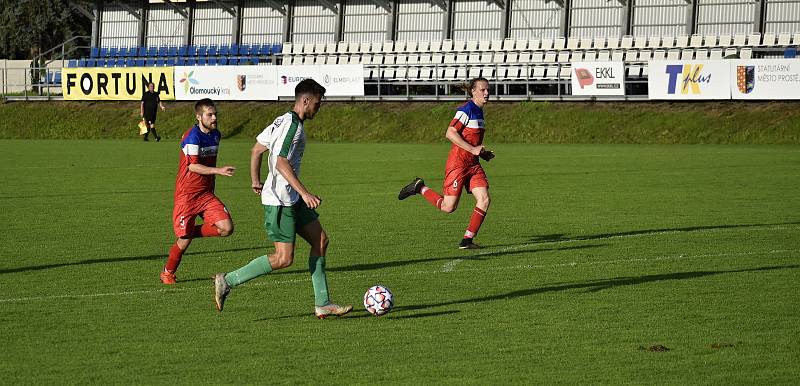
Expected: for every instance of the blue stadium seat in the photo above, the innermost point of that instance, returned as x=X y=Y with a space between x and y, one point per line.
x=201 y=50
x=212 y=50
x=201 y=61
x=81 y=63
x=113 y=52
x=169 y=62
x=103 y=52
x=222 y=61
x=152 y=51
x=150 y=62
x=163 y=51
x=172 y=51
x=277 y=48
x=130 y=62
x=212 y=61
x=244 y=49
x=234 y=49
x=57 y=77
x=121 y=62
x=191 y=51
x=254 y=60
x=140 y=62
x=233 y=61
x=160 y=62
x=72 y=63
x=95 y=52
x=182 y=50
x=192 y=61
x=92 y=62
x=142 y=52
x=224 y=50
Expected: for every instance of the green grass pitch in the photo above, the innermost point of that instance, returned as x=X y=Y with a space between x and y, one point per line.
x=603 y=264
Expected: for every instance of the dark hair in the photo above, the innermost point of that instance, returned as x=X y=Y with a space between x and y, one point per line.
x=309 y=86
x=205 y=102
x=472 y=84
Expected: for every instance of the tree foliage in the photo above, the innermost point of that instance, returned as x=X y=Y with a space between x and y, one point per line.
x=28 y=27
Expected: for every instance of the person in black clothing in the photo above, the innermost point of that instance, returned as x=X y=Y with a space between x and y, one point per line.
x=150 y=104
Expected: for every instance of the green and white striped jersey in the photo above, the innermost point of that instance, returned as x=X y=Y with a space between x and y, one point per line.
x=286 y=138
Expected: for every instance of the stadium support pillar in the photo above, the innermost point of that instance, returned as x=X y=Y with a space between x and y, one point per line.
x=237 y=23
x=391 y=21
x=758 y=17
x=339 y=27
x=144 y=12
x=627 y=18
x=505 y=19
x=691 y=17
x=447 y=27
x=97 y=12
x=566 y=6
x=287 y=22
x=188 y=26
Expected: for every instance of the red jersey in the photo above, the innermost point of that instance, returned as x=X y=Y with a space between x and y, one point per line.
x=197 y=147
x=468 y=121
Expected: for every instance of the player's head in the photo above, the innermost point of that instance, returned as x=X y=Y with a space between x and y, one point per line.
x=308 y=97
x=206 y=113
x=479 y=90
x=151 y=86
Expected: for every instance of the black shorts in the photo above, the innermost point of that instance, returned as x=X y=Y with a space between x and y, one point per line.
x=149 y=118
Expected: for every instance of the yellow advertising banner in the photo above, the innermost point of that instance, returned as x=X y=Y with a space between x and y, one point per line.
x=116 y=83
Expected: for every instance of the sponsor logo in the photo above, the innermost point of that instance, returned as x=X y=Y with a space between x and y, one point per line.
x=292 y=79
x=584 y=77
x=187 y=80
x=113 y=84
x=689 y=76
x=746 y=78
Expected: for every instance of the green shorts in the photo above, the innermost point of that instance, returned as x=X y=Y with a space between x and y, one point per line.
x=283 y=222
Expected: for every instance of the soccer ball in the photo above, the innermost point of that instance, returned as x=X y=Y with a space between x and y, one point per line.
x=378 y=300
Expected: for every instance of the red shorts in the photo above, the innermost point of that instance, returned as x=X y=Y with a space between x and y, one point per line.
x=207 y=206
x=464 y=178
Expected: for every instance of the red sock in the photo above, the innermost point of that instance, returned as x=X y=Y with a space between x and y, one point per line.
x=475 y=223
x=434 y=198
x=206 y=230
x=174 y=259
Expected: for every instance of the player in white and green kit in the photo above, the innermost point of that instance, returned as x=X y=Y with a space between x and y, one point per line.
x=288 y=205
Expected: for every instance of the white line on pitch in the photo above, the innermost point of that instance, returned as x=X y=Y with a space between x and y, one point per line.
x=406 y=273
x=450 y=265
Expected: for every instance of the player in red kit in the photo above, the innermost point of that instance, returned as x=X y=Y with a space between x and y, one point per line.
x=463 y=169
x=194 y=188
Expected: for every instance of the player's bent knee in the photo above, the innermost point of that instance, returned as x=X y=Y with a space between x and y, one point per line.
x=282 y=261
x=448 y=208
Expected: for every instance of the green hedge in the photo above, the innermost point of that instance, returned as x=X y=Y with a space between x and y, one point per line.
x=421 y=122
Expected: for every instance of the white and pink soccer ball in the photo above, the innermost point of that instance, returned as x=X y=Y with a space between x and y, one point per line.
x=378 y=300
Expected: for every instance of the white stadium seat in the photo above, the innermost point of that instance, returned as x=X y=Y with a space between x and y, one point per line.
x=534 y=44
x=617 y=55
x=746 y=53
x=550 y=57
x=599 y=43
x=286 y=49
x=604 y=56
x=499 y=57
x=572 y=43
x=696 y=40
x=631 y=55
x=640 y=42
x=716 y=53
x=673 y=54
x=653 y=42
x=739 y=40
x=524 y=57
x=768 y=39
x=459 y=45
x=682 y=41
x=423 y=46
x=399 y=46
x=512 y=57
x=563 y=56
x=559 y=43
x=627 y=42
x=659 y=55
x=546 y=44
x=353 y=47
x=667 y=42
x=471 y=45
x=796 y=39
x=447 y=45
x=388 y=46
x=497 y=45
x=724 y=40
x=520 y=45
x=784 y=39
x=486 y=57
x=612 y=42
x=484 y=45
x=411 y=46
x=436 y=46
x=537 y=57
x=710 y=41
x=730 y=51
x=585 y=43
x=644 y=55
x=590 y=56
x=508 y=44
x=701 y=54
x=687 y=54
x=754 y=39
x=577 y=56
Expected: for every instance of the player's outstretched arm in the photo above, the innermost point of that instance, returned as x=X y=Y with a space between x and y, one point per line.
x=456 y=138
x=207 y=170
x=256 y=155
x=285 y=169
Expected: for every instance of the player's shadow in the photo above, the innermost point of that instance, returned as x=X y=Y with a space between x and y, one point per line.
x=475 y=256
x=563 y=237
x=114 y=260
x=363 y=314
x=593 y=286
